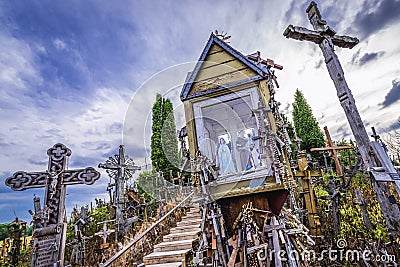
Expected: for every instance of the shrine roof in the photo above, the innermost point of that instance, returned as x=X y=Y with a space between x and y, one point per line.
x=261 y=70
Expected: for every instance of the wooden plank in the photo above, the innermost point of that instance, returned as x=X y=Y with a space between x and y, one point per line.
x=230 y=63
x=219 y=57
x=190 y=126
x=331 y=148
x=276 y=244
x=220 y=69
x=215 y=49
x=221 y=80
x=209 y=64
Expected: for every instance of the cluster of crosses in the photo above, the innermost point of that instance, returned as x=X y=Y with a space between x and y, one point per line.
x=49 y=235
x=49 y=225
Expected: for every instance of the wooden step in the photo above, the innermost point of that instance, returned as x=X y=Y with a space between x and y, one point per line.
x=165 y=257
x=171 y=264
x=174 y=245
x=185 y=228
x=180 y=236
x=191 y=217
x=189 y=222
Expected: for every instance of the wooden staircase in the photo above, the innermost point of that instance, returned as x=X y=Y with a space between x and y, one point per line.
x=177 y=245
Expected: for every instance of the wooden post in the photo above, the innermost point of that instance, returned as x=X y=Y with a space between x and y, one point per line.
x=306 y=175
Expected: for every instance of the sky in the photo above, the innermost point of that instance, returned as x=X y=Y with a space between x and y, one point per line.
x=86 y=73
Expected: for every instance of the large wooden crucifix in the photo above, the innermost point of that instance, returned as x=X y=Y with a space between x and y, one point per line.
x=371 y=153
x=49 y=240
x=120 y=168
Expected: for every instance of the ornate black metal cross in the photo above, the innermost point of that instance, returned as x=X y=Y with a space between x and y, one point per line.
x=371 y=152
x=120 y=168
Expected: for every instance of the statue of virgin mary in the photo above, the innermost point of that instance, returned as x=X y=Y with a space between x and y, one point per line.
x=224 y=158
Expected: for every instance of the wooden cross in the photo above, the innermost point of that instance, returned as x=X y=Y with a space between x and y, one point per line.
x=55 y=180
x=326 y=39
x=268 y=62
x=15 y=230
x=120 y=168
x=333 y=149
x=104 y=233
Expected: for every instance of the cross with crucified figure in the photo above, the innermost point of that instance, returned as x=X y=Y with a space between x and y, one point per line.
x=54 y=180
x=372 y=153
x=51 y=231
x=120 y=168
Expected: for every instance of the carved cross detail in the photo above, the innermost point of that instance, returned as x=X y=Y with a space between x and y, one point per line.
x=54 y=180
x=120 y=168
x=105 y=232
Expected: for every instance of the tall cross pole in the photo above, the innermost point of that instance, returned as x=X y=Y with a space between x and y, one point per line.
x=326 y=38
x=55 y=180
x=120 y=168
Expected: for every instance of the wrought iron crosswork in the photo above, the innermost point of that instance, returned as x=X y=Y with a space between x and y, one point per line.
x=120 y=168
x=54 y=179
x=50 y=227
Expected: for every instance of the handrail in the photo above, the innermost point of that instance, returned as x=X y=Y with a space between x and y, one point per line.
x=122 y=251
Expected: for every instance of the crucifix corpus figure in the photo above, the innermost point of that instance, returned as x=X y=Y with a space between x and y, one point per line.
x=120 y=168
x=49 y=238
x=372 y=153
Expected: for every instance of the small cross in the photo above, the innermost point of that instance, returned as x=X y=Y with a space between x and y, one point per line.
x=105 y=232
x=375 y=135
x=297 y=140
x=333 y=149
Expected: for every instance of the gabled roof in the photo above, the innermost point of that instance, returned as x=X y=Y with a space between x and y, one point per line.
x=233 y=52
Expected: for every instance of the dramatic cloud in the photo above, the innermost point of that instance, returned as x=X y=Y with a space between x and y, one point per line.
x=366 y=58
x=372 y=18
x=393 y=95
x=393 y=127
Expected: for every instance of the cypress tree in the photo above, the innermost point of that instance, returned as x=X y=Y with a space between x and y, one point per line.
x=164 y=143
x=306 y=126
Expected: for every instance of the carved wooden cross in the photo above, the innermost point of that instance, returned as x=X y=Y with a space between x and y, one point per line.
x=49 y=239
x=333 y=149
x=120 y=168
x=326 y=38
x=104 y=233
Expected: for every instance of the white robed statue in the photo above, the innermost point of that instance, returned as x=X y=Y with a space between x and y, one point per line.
x=224 y=158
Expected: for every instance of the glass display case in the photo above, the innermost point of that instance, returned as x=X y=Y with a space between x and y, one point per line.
x=227 y=132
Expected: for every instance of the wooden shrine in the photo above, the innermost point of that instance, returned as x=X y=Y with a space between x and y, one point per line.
x=241 y=149
x=233 y=122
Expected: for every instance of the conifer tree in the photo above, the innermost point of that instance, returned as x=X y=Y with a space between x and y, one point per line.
x=164 y=143
x=305 y=124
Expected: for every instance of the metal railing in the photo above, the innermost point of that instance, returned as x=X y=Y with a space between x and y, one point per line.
x=140 y=236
